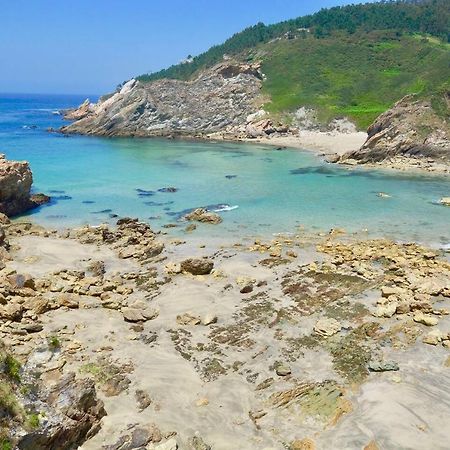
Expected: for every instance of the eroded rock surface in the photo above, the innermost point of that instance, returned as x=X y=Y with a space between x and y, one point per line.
x=411 y=129
x=220 y=97
x=15 y=188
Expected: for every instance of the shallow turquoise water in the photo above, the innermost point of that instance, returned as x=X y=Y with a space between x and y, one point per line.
x=274 y=191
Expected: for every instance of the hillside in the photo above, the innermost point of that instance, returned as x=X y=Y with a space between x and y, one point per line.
x=355 y=76
x=314 y=72
x=353 y=61
x=413 y=16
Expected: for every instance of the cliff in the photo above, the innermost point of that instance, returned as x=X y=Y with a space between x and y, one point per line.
x=15 y=188
x=219 y=98
x=412 y=128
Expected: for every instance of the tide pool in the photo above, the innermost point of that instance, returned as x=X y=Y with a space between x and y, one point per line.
x=259 y=189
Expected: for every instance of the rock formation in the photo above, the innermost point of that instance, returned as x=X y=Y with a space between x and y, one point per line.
x=220 y=97
x=411 y=128
x=70 y=407
x=15 y=188
x=73 y=415
x=204 y=216
x=81 y=112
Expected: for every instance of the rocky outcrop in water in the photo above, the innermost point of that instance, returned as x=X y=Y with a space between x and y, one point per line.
x=81 y=112
x=15 y=188
x=411 y=129
x=204 y=216
x=220 y=97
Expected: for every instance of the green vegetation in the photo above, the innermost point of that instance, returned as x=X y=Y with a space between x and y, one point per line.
x=10 y=408
x=354 y=76
x=425 y=17
x=5 y=443
x=32 y=421
x=8 y=402
x=54 y=343
x=11 y=367
x=354 y=61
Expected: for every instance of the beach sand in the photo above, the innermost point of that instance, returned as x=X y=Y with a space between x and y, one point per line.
x=317 y=141
x=225 y=381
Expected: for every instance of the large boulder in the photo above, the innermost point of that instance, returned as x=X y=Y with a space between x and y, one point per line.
x=197 y=266
x=15 y=188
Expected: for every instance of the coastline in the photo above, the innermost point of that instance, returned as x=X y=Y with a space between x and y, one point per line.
x=331 y=145
x=336 y=144
x=324 y=143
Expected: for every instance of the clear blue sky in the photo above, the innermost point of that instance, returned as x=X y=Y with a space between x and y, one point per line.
x=89 y=46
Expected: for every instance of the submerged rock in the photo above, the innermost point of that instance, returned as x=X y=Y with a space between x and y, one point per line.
x=188 y=319
x=197 y=443
x=303 y=444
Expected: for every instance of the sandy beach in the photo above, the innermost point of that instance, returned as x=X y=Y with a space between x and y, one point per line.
x=321 y=142
x=302 y=340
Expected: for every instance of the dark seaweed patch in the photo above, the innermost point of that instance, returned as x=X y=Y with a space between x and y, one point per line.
x=103 y=211
x=321 y=170
x=145 y=193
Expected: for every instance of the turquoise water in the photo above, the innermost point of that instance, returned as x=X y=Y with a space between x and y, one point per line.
x=263 y=190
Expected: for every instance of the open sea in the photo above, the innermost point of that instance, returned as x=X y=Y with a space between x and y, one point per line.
x=258 y=189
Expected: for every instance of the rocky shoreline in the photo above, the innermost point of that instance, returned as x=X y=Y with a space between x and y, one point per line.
x=266 y=344
x=226 y=102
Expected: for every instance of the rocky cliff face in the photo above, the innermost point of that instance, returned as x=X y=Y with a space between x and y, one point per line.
x=15 y=188
x=44 y=413
x=220 y=98
x=411 y=128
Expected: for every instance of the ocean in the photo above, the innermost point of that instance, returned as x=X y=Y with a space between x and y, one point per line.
x=258 y=189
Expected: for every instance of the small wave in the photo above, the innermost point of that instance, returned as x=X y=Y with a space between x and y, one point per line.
x=223 y=208
x=40 y=109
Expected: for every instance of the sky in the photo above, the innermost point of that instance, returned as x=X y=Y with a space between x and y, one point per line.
x=90 y=46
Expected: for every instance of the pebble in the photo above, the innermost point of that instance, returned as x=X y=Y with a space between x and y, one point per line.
x=282 y=370
x=247 y=289
x=429 y=321
x=327 y=327
x=202 y=402
x=386 y=366
x=209 y=319
x=188 y=319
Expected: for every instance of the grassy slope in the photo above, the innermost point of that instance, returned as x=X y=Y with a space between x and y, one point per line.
x=358 y=76
x=356 y=61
